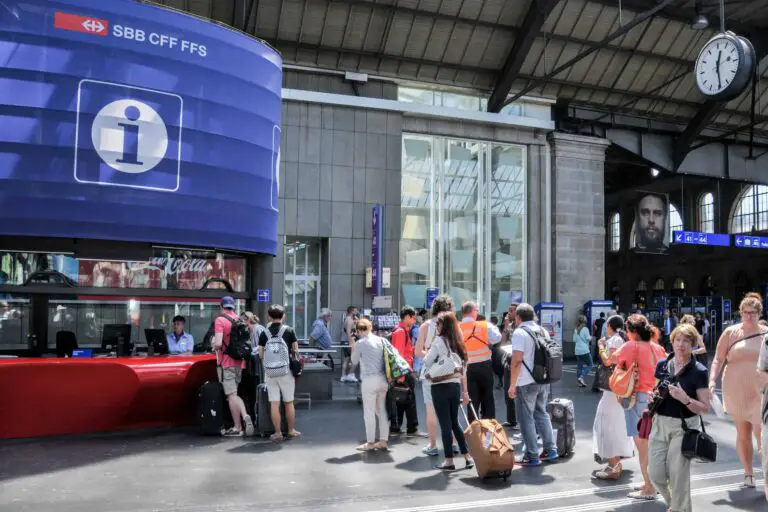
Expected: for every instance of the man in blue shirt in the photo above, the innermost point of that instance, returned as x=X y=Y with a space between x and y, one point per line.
x=180 y=342
x=320 y=335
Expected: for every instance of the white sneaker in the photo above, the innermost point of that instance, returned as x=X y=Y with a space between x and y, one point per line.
x=352 y=378
x=344 y=378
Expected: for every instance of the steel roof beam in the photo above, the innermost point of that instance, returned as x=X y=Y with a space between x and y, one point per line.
x=534 y=20
x=514 y=31
x=641 y=18
x=678 y=14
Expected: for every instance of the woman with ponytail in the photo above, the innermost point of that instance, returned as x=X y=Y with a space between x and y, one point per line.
x=609 y=433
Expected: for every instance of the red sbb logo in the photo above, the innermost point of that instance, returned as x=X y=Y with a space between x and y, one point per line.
x=95 y=26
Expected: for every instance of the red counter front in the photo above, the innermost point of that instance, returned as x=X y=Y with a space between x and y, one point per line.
x=45 y=397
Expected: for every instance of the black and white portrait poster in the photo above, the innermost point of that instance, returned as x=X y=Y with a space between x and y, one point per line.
x=652 y=223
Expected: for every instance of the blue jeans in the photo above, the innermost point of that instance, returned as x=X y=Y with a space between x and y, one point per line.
x=584 y=364
x=532 y=417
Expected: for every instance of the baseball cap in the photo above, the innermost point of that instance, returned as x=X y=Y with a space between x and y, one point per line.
x=228 y=302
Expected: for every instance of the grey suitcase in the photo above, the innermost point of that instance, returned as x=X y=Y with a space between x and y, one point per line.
x=264 y=425
x=563 y=418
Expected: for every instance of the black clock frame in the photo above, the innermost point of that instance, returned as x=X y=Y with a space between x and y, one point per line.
x=744 y=73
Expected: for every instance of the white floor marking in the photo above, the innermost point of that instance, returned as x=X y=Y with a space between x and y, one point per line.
x=517 y=500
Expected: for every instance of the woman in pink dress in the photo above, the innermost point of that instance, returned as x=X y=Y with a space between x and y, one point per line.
x=738 y=350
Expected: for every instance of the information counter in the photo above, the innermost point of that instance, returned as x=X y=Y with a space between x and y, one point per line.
x=47 y=397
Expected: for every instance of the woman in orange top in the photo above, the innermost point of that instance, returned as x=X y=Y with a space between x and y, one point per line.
x=640 y=350
x=738 y=350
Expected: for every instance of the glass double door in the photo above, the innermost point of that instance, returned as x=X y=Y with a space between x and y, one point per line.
x=463 y=221
x=302 y=284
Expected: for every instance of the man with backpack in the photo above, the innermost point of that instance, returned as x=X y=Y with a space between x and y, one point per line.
x=533 y=368
x=231 y=341
x=277 y=345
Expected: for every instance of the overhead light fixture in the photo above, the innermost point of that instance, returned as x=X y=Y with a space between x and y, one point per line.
x=654 y=172
x=700 y=22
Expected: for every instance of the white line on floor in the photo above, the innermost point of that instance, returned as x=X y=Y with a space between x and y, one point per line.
x=517 y=500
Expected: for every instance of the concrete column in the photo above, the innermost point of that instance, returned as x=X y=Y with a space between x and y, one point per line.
x=578 y=225
x=262 y=266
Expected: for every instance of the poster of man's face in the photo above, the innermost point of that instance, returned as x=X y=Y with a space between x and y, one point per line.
x=652 y=223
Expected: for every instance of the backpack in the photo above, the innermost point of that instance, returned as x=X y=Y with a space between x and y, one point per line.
x=276 y=356
x=239 y=345
x=547 y=357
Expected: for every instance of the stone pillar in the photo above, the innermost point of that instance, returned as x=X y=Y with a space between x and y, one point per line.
x=578 y=224
x=262 y=266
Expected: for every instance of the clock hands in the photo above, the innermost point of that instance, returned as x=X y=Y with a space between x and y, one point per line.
x=717 y=69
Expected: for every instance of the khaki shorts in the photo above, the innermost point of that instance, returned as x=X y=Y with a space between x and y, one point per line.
x=230 y=379
x=284 y=386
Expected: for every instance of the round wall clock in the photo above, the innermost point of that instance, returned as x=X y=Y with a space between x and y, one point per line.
x=725 y=66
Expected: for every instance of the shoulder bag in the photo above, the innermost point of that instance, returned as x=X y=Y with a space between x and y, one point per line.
x=446 y=366
x=624 y=380
x=698 y=444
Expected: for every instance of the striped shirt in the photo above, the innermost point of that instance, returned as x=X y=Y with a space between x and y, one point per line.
x=369 y=354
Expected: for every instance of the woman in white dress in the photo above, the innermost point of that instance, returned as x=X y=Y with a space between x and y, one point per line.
x=609 y=434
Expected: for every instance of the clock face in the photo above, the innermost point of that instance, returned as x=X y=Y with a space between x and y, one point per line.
x=717 y=66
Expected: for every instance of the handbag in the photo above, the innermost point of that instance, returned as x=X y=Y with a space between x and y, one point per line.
x=296 y=365
x=603 y=376
x=446 y=366
x=698 y=444
x=645 y=424
x=624 y=380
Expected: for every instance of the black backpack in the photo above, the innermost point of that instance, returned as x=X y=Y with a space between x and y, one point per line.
x=239 y=346
x=547 y=358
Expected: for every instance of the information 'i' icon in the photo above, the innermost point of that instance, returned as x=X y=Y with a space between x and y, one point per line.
x=130 y=137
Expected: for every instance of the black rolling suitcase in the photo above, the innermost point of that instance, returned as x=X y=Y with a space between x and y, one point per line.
x=213 y=413
x=563 y=418
x=264 y=425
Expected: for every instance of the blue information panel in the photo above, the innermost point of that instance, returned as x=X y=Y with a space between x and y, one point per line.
x=750 y=242
x=121 y=120
x=263 y=295
x=695 y=238
x=432 y=294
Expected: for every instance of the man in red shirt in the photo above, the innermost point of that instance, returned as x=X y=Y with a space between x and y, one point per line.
x=401 y=340
x=231 y=370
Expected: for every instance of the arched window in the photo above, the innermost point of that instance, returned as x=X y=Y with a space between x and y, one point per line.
x=675 y=220
x=707 y=213
x=614 y=232
x=658 y=286
x=641 y=286
x=750 y=211
x=679 y=284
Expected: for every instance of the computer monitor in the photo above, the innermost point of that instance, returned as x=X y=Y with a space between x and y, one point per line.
x=157 y=340
x=117 y=337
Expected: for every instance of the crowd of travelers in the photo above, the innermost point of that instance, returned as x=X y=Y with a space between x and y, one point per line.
x=655 y=383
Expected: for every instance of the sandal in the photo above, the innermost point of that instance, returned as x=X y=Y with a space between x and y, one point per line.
x=366 y=447
x=293 y=434
x=638 y=495
x=381 y=445
x=749 y=482
x=609 y=473
x=276 y=437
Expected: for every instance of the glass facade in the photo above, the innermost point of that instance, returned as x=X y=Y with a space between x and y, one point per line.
x=473 y=102
x=303 y=259
x=463 y=221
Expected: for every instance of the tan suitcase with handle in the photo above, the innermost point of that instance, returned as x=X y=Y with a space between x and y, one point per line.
x=490 y=447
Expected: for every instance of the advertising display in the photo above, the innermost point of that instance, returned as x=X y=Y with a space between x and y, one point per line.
x=651 y=225
x=551 y=318
x=127 y=121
